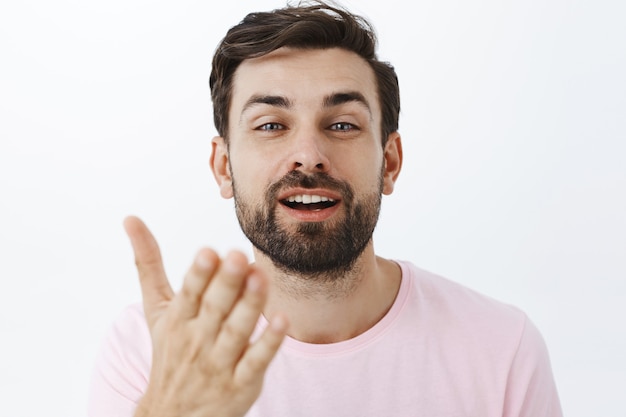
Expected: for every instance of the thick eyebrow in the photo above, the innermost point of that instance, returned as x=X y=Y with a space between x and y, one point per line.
x=276 y=101
x=331 y=100
x=337 y=99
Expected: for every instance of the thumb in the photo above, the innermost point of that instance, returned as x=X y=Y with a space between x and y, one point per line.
x=155 y=289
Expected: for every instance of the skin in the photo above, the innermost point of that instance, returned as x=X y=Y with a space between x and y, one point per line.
x=203 y=363
x=201 y=334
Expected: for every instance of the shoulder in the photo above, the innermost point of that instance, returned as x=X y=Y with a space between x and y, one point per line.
x=448 y=307
x=122 y=366
x=129 y=336
x=478 y=337
x=438 y=291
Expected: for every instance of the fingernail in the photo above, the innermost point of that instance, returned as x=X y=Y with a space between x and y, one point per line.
x=254 y=283
x=203 y=262
x=232 y=266
x=279 y=324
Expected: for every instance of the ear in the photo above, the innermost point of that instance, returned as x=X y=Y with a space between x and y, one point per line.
x=220 y=165
x=392 y=161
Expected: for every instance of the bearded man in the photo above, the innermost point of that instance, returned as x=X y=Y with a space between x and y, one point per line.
x=318 y=324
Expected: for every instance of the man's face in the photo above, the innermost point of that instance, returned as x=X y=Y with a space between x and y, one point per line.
x=305 y=161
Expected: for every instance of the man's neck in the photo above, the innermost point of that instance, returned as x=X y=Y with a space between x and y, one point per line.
x=333 y=308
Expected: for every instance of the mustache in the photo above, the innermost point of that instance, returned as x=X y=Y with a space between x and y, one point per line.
x=295 y=179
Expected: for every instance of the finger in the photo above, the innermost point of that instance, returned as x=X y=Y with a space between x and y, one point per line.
x=220 y=296
x=257 y=358
x=189 y=299
x=155 y=288
x=234 y=336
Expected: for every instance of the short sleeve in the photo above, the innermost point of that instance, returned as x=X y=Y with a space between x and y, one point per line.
x=531 y=390
x=122 y=367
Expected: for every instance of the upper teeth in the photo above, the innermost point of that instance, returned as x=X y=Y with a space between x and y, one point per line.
x=308 y=199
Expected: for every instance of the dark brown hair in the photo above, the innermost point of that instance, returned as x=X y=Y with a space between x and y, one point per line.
x=315 y=25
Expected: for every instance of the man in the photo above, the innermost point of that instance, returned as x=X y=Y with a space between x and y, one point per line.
x=318 y=325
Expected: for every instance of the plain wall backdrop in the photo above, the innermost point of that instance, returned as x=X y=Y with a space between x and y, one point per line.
x=514 y=178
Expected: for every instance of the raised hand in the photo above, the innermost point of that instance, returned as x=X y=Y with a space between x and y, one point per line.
x=203 y=363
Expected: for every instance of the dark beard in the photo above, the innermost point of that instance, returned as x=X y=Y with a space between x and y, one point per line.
x=315 y=249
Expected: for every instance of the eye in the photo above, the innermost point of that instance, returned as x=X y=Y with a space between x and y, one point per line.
x=271 y=126
x=343 y=127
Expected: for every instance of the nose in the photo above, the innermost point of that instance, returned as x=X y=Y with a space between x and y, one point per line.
x=309 y=153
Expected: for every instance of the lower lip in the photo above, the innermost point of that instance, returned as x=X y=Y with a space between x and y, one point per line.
x=311 y=215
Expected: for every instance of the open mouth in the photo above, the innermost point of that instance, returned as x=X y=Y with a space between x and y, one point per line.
x=310 y=202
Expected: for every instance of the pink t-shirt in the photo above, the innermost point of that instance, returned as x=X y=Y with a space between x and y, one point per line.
x=442 y=350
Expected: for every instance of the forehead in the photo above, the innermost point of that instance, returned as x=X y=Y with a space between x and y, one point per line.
x=305 y=76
